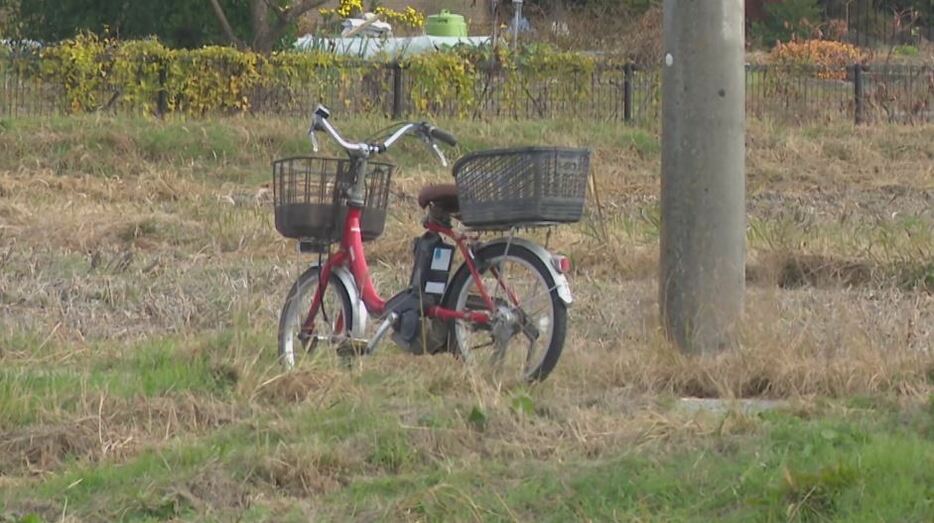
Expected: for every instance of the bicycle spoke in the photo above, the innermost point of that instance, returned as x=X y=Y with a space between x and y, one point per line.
x=528 y=356
x=500 y=283
x=498 y=356
x=520 y=302
x=531 y=332
x=324 y=310
x=330 y=323
x=482 y=345
x=495 y=271
x=545 y=292
x=521 y=294
x=536 y=312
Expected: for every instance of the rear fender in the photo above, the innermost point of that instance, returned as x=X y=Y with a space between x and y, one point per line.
x=561 y=282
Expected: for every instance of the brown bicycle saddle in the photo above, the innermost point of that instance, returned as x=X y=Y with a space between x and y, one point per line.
x=443 y=196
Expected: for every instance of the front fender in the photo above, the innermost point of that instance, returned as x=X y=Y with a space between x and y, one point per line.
x=360 y=315
x=561 y=282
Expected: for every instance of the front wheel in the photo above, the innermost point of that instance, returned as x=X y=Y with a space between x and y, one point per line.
x=332 y=323
x=525 y=338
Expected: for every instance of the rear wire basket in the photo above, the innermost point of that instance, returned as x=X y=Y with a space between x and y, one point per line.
x=310 y=198
x=504 y=188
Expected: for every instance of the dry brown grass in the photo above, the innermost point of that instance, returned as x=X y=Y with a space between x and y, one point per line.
x=103 y=427
x=164 y=243
x=611 y=27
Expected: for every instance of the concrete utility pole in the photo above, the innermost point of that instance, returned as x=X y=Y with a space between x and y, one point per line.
x=703 y=246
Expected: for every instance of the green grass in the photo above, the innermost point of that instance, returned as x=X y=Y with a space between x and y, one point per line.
x=87 y=144
x=42 y=378
x=851 y=468
x=829 y=463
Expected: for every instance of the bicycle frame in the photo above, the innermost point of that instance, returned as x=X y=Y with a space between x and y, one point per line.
x=351 y=254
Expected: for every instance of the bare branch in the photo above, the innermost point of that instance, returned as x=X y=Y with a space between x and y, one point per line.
x=225 y=24
x=297 y=9
x=278 y=10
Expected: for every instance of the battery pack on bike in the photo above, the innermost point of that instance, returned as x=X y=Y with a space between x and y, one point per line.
x=431 y=267
x=435 y=279
x=427 y=283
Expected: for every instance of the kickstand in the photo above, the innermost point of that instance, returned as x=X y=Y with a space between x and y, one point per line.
x=380 y=332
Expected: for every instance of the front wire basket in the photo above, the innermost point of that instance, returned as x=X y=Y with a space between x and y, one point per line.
x=310 y=198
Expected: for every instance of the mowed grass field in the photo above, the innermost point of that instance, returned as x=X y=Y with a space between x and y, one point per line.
x=141 y=279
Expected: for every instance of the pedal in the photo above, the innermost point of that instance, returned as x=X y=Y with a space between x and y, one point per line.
x=351 y=347
x=308 y=341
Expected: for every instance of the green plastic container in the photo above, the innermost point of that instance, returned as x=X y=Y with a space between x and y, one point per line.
x=445 y=24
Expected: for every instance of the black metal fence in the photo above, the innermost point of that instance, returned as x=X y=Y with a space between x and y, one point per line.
x=608 y=92
x=875 y=23
x=630 y=93
x=863 y=93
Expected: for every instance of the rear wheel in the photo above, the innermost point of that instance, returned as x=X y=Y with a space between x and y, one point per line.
x=526 y=336
x=333 y=322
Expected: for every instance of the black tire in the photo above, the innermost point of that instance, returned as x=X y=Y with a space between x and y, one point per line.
x=485 y=258
x=295 y=310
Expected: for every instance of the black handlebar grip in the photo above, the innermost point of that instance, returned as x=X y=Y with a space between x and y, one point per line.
x=443 y=136
x=323 y=111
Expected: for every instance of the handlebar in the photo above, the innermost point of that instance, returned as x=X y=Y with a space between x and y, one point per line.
x=427 y=131
x=442 y=135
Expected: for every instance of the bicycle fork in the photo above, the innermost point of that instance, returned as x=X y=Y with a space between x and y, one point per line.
x=307 y=334
x=308 y=327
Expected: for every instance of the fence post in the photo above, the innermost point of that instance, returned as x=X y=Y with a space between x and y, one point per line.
x=627 y=92
x=397 y=98
x=162 y=105
x=857 y=94
x=859 y=30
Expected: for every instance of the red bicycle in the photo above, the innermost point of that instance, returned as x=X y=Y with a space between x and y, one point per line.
x=504 y=309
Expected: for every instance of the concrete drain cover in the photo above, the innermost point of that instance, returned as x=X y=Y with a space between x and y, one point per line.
x=722 y=406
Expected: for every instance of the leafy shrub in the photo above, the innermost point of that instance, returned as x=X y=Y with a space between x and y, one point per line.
x=906 y=50
x=828 y=58
x=76 y=64
x=144 y=76
x=409 y=18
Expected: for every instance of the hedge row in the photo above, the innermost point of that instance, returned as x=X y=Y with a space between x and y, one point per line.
x=94 y=73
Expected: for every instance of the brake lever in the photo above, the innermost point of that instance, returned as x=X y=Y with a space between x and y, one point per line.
x=313 y=138
x=438 y=153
